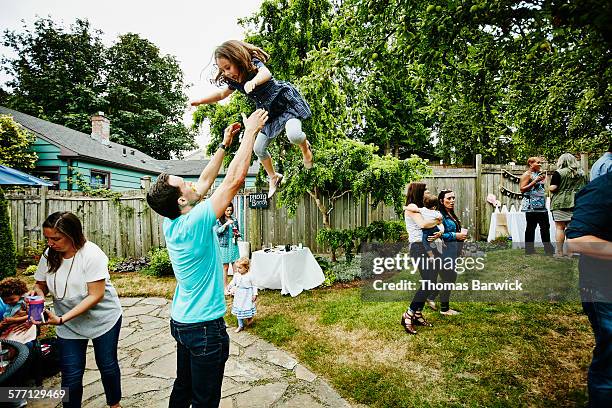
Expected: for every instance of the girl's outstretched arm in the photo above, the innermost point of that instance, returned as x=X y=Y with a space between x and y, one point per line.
x=213 y=97
x=263 y=76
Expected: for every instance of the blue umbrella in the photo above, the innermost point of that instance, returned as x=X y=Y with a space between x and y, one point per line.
x=14 y=177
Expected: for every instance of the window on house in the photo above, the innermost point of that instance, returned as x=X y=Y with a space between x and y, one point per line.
x=49 y=173
x=99 y=178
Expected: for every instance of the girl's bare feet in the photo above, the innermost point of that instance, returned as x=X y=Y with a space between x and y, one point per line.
x=238 y=330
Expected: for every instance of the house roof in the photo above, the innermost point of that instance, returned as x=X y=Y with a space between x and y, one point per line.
x=77 y=145
x=193 y=168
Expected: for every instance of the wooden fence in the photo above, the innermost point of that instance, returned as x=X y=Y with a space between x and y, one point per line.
x=126 y=228
x=132 y=228
x=470 y=184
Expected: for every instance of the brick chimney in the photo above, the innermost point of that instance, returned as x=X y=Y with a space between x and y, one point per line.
x=100 y=128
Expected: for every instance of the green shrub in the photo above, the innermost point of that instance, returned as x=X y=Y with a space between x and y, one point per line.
x=326 y=265
x=160 y=264
x=113 y=262
x=348 y=271
x=330 y=278
x=30 y=270
x=33 y=251
x=387 y=231
x=350 y=239
x=336 y=238
x=8 y=256
x=501 y=242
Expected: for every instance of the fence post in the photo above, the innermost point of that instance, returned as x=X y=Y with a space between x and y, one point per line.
x=478 y=196
x=146 y=216
x=42 y=209
x=584 y=163
x=145 y=183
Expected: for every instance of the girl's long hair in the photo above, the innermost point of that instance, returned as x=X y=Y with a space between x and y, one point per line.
x=223 y=218
x=241 y=54
x=568 y=161
x=445 y=212
x=68 y=224
x=415 y=194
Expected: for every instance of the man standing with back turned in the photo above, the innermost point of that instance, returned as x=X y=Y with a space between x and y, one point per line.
x=590 y=234
x=198 y=305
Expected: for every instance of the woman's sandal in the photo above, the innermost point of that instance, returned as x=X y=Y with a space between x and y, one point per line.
x=419 y=320
x=406 y=322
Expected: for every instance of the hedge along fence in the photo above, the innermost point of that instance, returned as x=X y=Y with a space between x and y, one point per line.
x=127 y=227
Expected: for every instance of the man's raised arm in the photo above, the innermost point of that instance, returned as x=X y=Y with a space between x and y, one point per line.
x=211 y=171
x=238 y=168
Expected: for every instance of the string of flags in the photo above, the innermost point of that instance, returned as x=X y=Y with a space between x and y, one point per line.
x=508 y=175
x=511 y=194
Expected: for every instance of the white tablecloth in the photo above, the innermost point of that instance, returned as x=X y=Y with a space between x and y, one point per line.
x=291 y=272
x=516 y=227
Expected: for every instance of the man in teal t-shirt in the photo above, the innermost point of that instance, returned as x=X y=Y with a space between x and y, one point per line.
x=199 y=305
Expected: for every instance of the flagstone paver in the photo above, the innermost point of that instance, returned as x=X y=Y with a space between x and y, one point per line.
x=257 y=374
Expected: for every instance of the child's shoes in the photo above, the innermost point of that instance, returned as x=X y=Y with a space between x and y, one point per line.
x=274 y=184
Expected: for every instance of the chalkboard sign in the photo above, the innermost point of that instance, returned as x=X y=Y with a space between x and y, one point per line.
x=259 y=200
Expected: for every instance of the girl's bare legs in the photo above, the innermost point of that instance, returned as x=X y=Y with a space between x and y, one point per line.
x=225 y=269
x=306 y=153
x=293 y=127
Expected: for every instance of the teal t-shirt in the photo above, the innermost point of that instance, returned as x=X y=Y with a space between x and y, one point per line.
x=194 y=253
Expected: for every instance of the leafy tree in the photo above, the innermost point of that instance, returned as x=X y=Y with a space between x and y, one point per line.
x=14 y=152
x=66 y=75
x=15 y=145
x=8 y=260
x=146 y=98
x=349 y=166
x=57 y=74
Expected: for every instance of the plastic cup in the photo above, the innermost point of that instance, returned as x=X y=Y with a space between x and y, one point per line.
x=37 y=306
x=464 y=230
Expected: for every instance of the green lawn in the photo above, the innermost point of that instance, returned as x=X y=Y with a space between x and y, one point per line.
x=492 y=355
x=496 y=354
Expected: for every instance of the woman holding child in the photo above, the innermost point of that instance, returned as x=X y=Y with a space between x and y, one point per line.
x=415 y=223
x=75 y=272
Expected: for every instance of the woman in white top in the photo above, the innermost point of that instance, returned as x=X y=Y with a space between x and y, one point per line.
x=414 y=225
x=75 y=272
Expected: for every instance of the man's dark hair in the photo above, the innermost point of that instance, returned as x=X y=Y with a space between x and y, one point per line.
x=163 y=198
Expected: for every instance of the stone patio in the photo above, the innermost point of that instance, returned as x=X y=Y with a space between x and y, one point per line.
x=257 y=374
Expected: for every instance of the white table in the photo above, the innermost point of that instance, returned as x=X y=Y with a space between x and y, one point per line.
x=516 y=227
x=291 y=272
